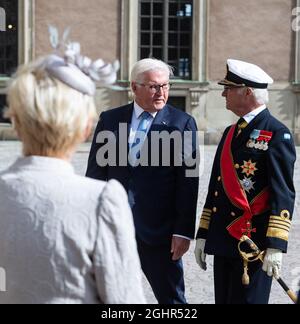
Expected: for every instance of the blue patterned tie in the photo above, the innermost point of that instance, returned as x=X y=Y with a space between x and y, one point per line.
x=136 y=146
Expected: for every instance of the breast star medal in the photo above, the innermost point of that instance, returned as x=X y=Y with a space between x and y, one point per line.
x=247 y=184
x=249 y=168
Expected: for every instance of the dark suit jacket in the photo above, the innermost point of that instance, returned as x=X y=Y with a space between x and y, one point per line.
x=275 y=168
x=162 y=198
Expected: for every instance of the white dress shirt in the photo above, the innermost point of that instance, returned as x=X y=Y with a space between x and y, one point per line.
x=251 y=115
x=135 y=121
x=65 y=239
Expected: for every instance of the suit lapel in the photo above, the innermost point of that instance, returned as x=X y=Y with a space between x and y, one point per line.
x=127 y=117
x=161 y=120
x=245 y=135
x=124 y=118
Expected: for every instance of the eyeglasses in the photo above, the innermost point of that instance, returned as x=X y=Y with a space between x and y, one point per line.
x=155 y=88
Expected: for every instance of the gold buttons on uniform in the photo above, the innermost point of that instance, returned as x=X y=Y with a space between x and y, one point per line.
x=216 y=194
x=237 y=166
x=285 y=214
x=233 y=214
x=215 y=209
x=219 y=179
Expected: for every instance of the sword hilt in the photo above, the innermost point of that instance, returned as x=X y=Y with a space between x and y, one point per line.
x=260 y=256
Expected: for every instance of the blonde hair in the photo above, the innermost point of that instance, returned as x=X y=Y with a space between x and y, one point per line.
x=49 y=116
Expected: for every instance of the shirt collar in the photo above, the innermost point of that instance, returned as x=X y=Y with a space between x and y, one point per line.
x=252 y=114
x=139 y=110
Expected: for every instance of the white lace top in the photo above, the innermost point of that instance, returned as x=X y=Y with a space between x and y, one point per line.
x=65 y=238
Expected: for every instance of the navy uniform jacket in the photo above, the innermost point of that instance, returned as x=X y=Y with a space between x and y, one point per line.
x=162 y=198
x=272 y=168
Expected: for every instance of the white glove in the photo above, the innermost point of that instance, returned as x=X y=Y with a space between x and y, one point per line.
x=272 y=263
x=200 y=255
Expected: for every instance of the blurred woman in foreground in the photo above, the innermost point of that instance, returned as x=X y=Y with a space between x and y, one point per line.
x=64 y=238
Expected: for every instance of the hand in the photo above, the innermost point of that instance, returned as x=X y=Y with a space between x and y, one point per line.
x=272 y=263
x=200 y=255
x=179 y=247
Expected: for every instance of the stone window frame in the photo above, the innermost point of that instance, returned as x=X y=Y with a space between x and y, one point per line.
x=26 y=36
x=2 y=19
x=25 y=53
x=296 y=83
x=191 y=89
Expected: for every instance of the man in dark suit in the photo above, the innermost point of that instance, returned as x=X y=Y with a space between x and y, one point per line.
x=251 y=191
x=162 y=193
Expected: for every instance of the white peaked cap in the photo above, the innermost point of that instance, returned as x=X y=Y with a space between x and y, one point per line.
x=241 y=74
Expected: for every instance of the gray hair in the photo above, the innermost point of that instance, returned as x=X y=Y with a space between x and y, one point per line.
x=260 y=95
x=147 y=65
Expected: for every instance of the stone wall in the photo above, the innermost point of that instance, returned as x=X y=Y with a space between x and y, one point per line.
x=255 y=31
x=95 y=24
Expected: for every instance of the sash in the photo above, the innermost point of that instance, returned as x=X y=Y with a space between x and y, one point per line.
x=237 y=195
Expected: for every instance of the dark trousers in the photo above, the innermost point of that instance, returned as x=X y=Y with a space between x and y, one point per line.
x=165 y=276
x=228 y=282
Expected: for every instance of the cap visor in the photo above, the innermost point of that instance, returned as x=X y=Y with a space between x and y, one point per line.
x=225 y=82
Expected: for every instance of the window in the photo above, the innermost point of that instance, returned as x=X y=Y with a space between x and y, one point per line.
x=8 y=37
x=178 y=102
x=16 y=41
x=166 y=33
x=2 y=19
x=2 y=106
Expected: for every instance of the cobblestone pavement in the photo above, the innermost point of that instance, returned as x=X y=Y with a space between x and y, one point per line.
x=199 y=284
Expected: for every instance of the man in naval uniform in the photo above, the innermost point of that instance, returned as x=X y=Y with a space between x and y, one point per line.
x=251 y=191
